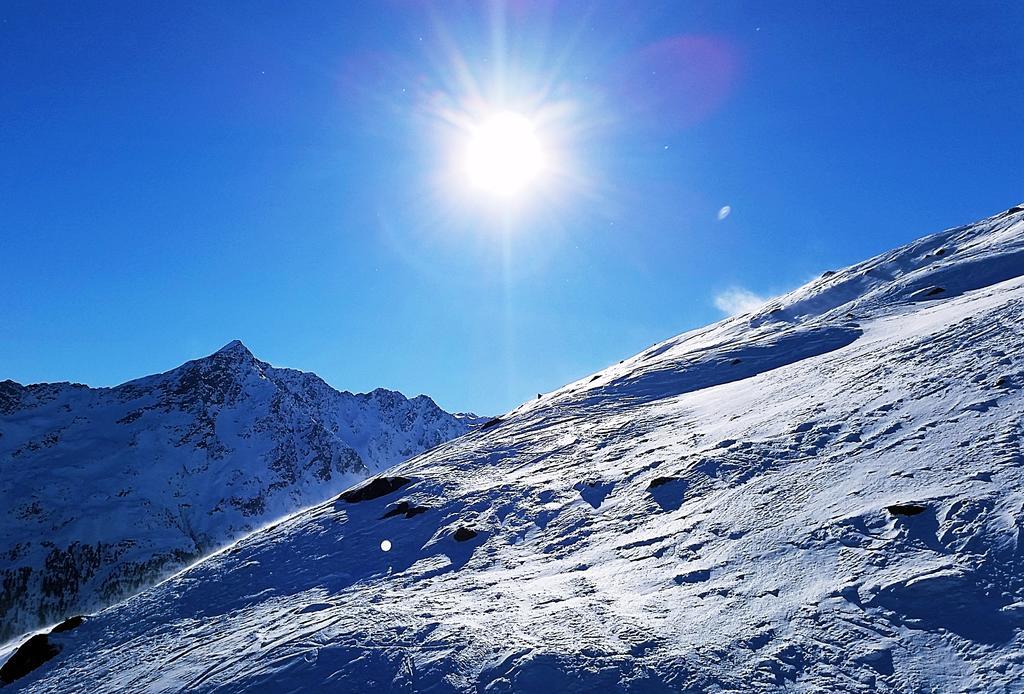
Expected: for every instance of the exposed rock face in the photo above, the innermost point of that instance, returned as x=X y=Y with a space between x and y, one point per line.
x=404 y=509
x=30 y=655
x=106 y=490
x=462 y=533
x=905 y=509
x=375 y=488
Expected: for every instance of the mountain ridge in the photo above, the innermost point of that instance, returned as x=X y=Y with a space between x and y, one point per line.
x=821 y=495
x=273 y=440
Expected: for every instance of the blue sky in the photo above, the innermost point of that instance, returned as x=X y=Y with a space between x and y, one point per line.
x=174 y=176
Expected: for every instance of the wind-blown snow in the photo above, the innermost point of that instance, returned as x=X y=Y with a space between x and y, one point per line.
x=106 y=490
x=736 y=300
x=825 y=495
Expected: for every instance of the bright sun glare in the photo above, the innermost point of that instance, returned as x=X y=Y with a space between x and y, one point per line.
x=504 y=154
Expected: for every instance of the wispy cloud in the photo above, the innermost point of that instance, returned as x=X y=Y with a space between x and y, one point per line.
x=736 y=300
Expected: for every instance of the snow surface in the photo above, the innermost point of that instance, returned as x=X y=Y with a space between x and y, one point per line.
x=106 y=490
x=710 y=515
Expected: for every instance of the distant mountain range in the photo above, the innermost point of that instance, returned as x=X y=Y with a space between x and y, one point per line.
x=107 y=490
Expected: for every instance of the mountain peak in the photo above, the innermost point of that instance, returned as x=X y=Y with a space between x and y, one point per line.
x=234 y=355
x=180 y=463
x=235 y=347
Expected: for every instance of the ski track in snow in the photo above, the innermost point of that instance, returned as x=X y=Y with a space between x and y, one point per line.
x=710 y=515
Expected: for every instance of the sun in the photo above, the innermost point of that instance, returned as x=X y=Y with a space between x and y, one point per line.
x=504 y=155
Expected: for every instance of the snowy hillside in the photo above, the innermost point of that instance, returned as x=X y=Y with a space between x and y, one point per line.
x=826 y=495
x=106 y=490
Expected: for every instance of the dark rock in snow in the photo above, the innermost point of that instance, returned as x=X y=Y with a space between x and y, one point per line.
x=463 y=533
x=403 y=507
x=695 y=576
x=659 y=481
x=375 y=488
x=30 y=655
x=905 y=509
x=68 y=624
x=491 y=423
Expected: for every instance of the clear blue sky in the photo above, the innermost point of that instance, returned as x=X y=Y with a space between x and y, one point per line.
x=175 y=175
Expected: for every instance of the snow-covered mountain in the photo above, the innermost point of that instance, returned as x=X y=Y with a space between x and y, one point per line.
x=823 y=495
x=106 y=490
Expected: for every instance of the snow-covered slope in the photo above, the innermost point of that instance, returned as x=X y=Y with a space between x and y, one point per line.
x=105 y=490
x=825 y=495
